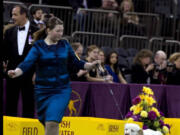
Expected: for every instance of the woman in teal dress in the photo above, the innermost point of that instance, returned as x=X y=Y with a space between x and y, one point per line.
x=52 y=86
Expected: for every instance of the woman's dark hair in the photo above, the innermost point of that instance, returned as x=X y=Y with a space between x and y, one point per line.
x=115 y=66
x=51 y=23
x=144 y=53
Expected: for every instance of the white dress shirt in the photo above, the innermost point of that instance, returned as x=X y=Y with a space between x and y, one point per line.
x=21 y=38
x=38 y=22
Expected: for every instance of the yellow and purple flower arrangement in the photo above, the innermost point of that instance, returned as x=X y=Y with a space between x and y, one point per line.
x=143 y=110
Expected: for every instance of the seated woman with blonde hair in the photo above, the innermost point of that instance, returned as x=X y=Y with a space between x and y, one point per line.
x=128 y=6
x=173 y=69
x=92 y=75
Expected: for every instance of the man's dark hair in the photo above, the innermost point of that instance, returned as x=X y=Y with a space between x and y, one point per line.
x=23 y=10
x=35 y=10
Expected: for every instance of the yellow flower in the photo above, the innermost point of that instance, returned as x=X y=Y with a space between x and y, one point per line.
x=137 y=109
x=156 y=111
x=148 y=91
x=165 y=129
x=132 y=108
x=141 y=96
x=144 y=114
x=130 y=119
x=149 y=100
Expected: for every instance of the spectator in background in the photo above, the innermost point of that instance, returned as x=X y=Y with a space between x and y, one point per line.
x=78 y=48
x=128 y=6
x=84 y=4
x=57 y=3
x=92 y=75
x=158 y=74
x=160 y=58
x=130 y=21
x=102 y=72
x=106 y=22
x=113 y=68
x=75 y=73
x=101 y=57
x=17 y=43
x=142 y=66
x=82 y=16
x=46 y=17
x=39 y=34
x=109 y=4
x=173 y=69
x=37 y=18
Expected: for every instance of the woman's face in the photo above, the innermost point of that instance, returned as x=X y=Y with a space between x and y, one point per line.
x=94 y=54
x=145 y=60
x=56 y=33
x=101 y=57
x=79 y=51
x=113 y=58
x=126 y=6
x=177 y=63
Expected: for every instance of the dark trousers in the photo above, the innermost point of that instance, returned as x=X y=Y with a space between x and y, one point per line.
x=13 y=89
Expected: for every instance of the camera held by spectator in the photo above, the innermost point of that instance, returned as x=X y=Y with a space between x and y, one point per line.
x=170 y=66
x=157 y=67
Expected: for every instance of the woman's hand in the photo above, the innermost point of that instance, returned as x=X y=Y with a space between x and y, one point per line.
x=150 y=67
x=109 y=79
x=15 y=73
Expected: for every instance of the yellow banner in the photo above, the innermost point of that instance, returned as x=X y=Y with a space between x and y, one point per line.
x=175 y=125
x=68 y=126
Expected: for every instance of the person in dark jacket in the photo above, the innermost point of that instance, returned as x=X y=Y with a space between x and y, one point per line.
x=141 y=67
x=17 y=43
x=37 y=17
x=75 y=73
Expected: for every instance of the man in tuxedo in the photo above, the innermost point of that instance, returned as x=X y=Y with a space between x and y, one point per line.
x=16 y=45
x=37 y=17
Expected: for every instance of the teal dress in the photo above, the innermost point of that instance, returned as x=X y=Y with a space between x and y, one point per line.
x=52 y=85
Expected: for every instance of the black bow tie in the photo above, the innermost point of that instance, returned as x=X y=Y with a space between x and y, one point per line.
x=21 y=28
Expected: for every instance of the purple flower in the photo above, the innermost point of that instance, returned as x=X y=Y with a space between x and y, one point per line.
x=161 y=113
x=136 y=117
x=167 y=125
x=152 y=115
x=145 y=127
x=161 y=123
x=136 y=100
x=129 y=114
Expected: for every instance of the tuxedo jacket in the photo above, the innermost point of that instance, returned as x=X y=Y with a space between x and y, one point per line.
x=33 y=23
x=10 y=46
